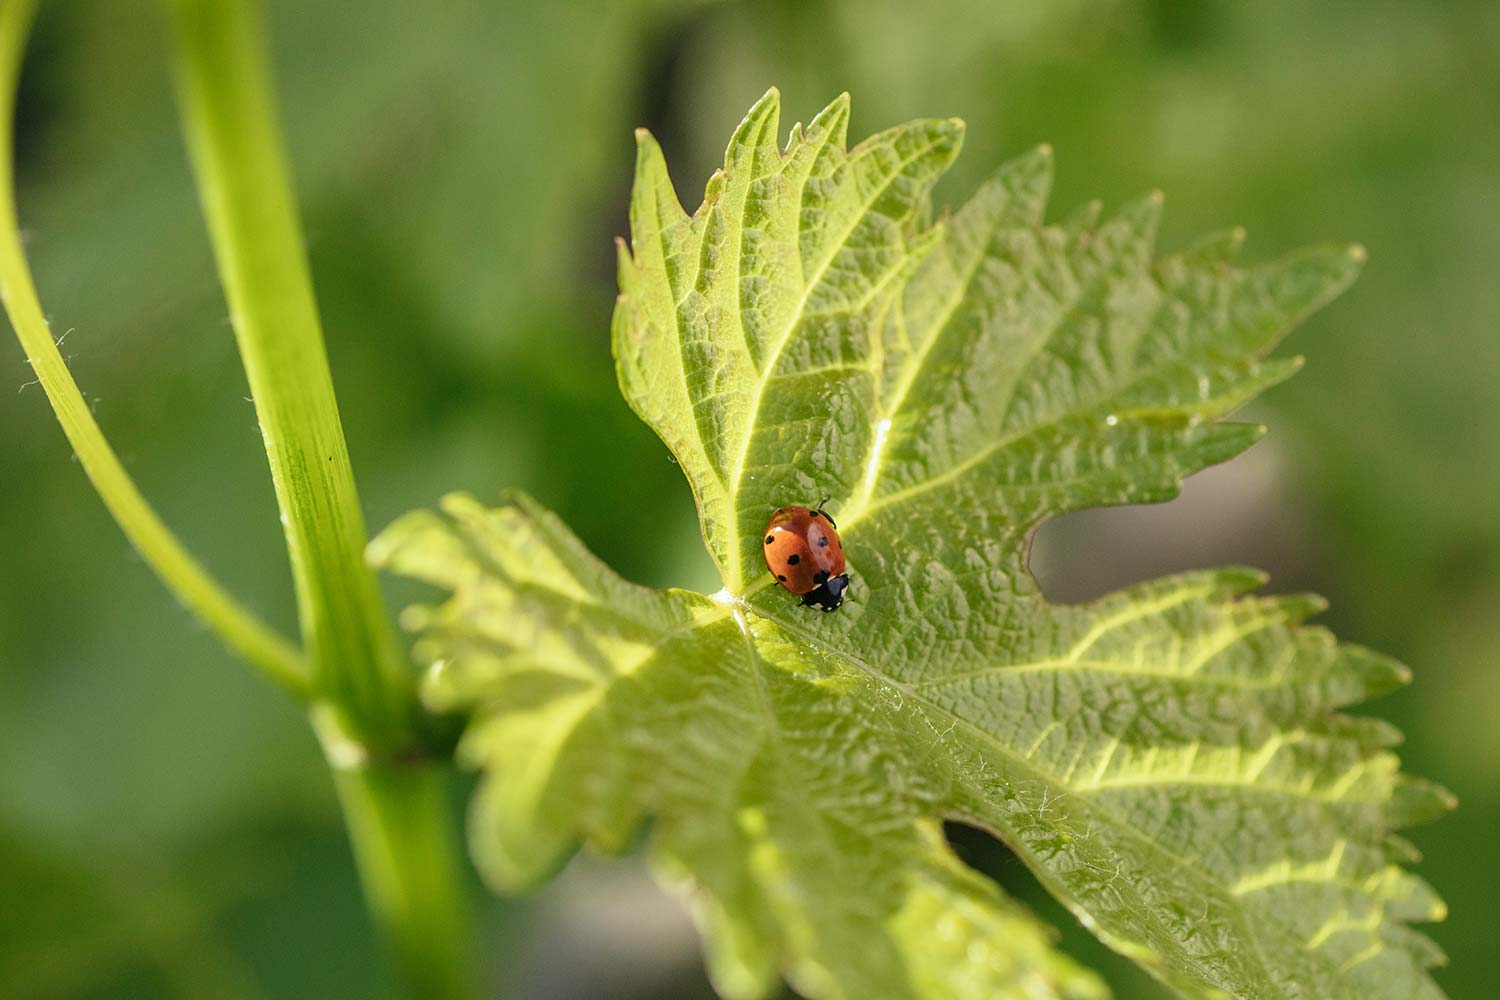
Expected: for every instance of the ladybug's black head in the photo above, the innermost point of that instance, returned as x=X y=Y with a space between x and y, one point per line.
x=829 y=594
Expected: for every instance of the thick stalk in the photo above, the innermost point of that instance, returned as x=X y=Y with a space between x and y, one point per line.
x=228 y=113
x=399 y=819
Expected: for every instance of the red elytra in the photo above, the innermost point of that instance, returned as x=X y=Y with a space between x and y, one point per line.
x=803 y=551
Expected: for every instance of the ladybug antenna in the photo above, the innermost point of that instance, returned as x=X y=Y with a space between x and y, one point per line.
x=826 y=514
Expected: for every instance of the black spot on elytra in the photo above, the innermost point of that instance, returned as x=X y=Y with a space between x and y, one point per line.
x=793 y=559
x=820 y=577
x=823 y=542
x=770 y=539
x=781 y=578
x=812 y=513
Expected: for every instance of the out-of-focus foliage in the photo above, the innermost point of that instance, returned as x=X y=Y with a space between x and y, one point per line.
x=462 y=172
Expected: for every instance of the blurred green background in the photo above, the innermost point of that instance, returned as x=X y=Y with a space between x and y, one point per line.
x=166 y=826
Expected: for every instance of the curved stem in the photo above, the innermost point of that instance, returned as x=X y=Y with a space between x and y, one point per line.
x=239 y=629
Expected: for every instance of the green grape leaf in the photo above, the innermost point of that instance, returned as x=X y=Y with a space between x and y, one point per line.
x=1169 y=760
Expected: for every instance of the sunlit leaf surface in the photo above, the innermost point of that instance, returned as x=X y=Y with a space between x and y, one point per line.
x=1169 y=760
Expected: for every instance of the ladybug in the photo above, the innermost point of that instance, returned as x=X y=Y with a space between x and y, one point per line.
x=804 y=553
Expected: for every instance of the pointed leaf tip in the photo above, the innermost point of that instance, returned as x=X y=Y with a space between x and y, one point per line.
x=767 y=108
x=1418 y=801
x=648 y=154
x=833 y=119
x=1237 y=580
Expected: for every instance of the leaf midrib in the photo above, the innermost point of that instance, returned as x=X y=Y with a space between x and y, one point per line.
x=810 y=284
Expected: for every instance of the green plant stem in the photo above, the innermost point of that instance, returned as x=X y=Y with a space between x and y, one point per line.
x=399 y=817
x=239 y=629
x=228 y=114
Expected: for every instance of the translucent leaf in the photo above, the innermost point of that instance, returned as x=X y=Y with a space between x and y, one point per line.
x=1169 y=760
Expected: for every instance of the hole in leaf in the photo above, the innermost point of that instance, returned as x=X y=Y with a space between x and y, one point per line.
x=1246 y=512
